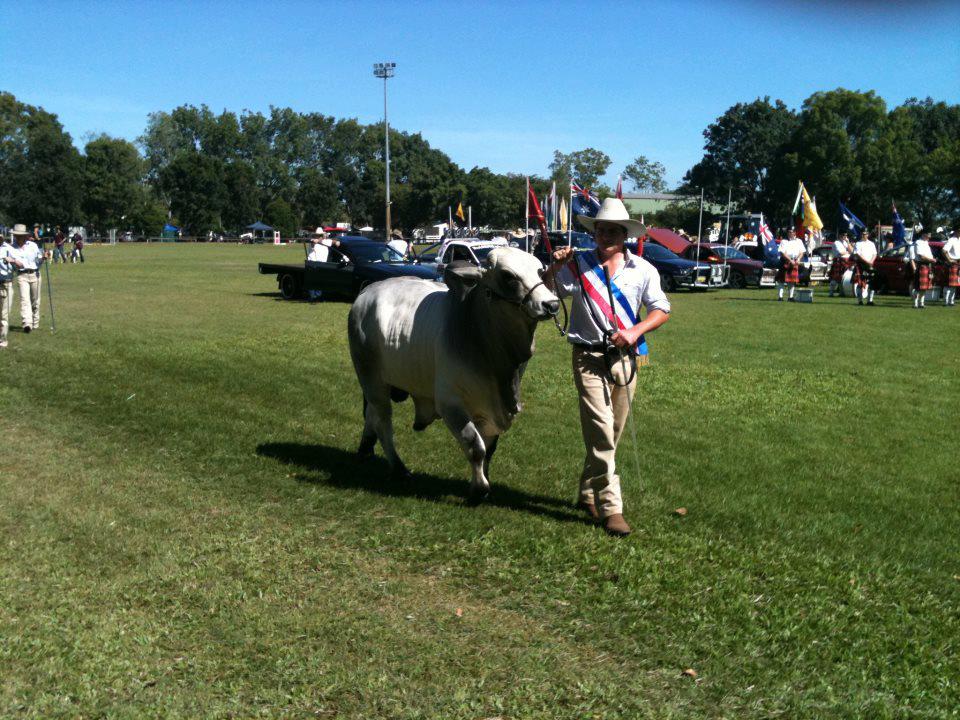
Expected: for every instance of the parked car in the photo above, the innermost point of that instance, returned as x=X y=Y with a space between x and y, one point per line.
x=350 y=267
x=743 y=270
x=814 y=268
x=676 y=272
x=471 y=250
x=578 y=241
x=892 y=275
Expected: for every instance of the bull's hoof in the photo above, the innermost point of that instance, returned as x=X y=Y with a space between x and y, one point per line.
x=477 y=495
x=366 y=448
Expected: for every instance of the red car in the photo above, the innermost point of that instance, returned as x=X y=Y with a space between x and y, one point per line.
x=743 y=270
x=892 y=274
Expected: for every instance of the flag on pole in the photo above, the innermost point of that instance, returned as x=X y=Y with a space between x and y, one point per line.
x=551 y=207
x=811 y=220
x=563 y=214
x=533 y=207
x=583 y=202
x=459 y=213
x=767 y=241
x=619 y=187
x=899 y=229
x=854 y=224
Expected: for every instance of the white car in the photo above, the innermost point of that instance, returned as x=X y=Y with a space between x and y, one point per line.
x=472 y=250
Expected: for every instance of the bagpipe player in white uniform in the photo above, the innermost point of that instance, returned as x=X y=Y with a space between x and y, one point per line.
x=864 y=257
x=841 y=252
x=920 y=258
x=950 y=255
x=791 y=252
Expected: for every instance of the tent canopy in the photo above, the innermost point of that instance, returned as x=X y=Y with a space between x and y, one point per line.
x=170 y=228
x=259 y=226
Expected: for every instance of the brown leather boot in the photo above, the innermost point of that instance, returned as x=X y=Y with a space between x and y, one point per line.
x=615 y=525
x=590 y=509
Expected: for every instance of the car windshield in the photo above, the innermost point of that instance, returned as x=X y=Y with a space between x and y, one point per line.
x=729 y=253
x=658 y=252
x=482 y=253
x=429 y=253
x=374 y=252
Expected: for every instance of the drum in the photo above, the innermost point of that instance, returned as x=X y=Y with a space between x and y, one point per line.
x=846 y=285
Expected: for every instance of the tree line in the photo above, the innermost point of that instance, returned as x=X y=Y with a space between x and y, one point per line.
x=206 y=171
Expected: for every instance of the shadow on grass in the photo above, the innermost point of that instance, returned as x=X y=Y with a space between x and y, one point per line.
x=278 y=298
x=347 y=470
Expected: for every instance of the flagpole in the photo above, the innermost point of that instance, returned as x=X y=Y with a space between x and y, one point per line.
x=700 y=224
x=726 y=242
x=450 y=220
x=570 y=215
x=470 y=217
x=526 y=218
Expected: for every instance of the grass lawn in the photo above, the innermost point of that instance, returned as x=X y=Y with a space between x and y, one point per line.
x=187 y=533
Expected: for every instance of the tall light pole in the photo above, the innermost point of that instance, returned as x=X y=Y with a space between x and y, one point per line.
x=385 y=71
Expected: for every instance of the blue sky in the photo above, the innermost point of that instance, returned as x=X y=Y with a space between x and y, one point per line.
x=496 y=84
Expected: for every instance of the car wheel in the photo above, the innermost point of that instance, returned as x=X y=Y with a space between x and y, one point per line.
x=668 y=284
x=289 y=287
x=737 y=280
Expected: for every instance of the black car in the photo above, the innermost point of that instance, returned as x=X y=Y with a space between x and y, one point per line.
x=350 y=267
x=577 y=240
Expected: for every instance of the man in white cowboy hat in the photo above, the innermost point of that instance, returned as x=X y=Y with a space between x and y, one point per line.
x=319 y=253
x=7 y=272
x=608 y=288
x=398 y=243
x=27 y=257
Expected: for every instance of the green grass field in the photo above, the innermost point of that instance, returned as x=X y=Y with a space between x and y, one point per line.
x=187 y=533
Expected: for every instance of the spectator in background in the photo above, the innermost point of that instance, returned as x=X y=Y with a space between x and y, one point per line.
x=321 y=244
x=59 y=240
x=77 y=248
x=7 y=270
x=398 y=243
x=28 y=258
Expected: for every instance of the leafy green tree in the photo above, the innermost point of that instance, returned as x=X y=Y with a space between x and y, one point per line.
x=280 y=216
x=195 y=186
x=646 y=175
x=242 y=204
x=741 y=149
x=112 y=174
x=39 y=166
x=317 y=198
x=585 y=167
x=149 y=214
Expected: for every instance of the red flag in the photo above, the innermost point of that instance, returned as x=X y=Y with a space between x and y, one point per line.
x=535 y=213
x=619 y=188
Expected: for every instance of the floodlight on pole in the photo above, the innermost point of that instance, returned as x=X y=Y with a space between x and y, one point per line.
x=385 y=71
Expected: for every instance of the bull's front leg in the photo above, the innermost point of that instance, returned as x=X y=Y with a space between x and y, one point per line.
x=471 y=442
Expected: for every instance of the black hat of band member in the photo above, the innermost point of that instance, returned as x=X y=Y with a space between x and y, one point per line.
x=614 y=211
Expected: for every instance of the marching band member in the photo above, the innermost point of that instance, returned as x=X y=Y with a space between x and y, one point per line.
x=842 y=249
x=950 y=254
x=791 y=251
x=864 y=256
x=920 y=258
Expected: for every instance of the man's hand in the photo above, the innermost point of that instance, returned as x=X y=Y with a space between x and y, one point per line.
x=626 y=338
x=561 y=256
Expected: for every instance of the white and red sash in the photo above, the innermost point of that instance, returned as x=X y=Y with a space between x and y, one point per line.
x=595 y=290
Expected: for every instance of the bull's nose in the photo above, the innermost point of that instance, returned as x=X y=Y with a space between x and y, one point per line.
x=552 y=307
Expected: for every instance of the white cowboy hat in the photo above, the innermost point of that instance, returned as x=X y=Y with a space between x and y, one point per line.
x=319 y=232
x=19 y=229
x=614 y=211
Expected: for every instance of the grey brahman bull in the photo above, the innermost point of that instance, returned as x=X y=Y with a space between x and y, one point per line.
x=458 y=351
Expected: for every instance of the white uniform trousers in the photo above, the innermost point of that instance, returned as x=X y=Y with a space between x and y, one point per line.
x=28 y=283
x=6 y=305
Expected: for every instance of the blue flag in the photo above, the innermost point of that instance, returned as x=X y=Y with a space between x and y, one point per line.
x=899 y=231
x=854 y=224
x=584 y=202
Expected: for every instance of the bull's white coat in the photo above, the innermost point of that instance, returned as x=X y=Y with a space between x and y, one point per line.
x=458 y=351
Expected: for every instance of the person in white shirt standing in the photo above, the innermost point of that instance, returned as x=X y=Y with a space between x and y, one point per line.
x=842 y=249
x=7 y=270
x=398 y=243
x=319 y=253
x=864 y=257
x=28 y=257
x=791 y=252
x=920 y=258
x=608 y=287
x=950 y=254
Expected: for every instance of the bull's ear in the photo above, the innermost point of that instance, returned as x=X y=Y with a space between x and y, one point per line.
x=461 y=277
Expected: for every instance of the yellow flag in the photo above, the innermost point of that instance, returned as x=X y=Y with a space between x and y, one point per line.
x=563 y=214
x=459 y=212
x=810 y=217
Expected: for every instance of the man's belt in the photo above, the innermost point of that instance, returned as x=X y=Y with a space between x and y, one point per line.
x=594 y=347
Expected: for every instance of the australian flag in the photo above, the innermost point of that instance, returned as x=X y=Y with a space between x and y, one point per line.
x=584 y=202
x=854 y=224
x=899 y=230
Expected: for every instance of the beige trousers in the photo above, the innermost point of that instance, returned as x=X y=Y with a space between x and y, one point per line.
x=28 y=284
x=6 y=304
x=604 y=407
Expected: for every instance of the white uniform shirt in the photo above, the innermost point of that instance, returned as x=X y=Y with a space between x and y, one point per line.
x=6 y=267
x=951 y=248
x=841 y=249
x=918 y=250
x=639 y=282
x=793 y=249
x=866 y=250
x=399 y=245
x=320 y=251
x=29 y=254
